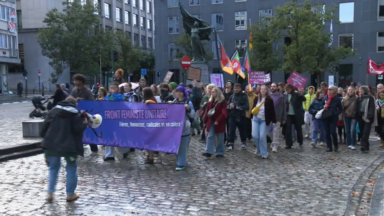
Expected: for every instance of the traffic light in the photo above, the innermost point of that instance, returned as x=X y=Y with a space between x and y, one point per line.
x=25 y=73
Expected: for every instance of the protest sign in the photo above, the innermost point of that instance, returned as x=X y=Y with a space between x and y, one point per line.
x=194 y=74
x=259 y=77
x=154 y=127
x=297 y=80
x=218 y=80
x=168 y=77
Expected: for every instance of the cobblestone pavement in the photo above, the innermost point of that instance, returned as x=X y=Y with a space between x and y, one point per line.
x=11 y=118
x=300 y=181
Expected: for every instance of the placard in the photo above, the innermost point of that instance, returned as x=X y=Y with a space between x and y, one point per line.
x=194 y=74
x=168 y=77
x=297 y=80
x=218 y=80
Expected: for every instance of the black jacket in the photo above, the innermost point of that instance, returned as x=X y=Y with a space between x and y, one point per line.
x=63 y=129
x=58 y=96
x=241 y=104
x=371 y=108
x=297 y=103
x=335 y=105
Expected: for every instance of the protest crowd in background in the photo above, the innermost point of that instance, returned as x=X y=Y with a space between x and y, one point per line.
x=267 y=114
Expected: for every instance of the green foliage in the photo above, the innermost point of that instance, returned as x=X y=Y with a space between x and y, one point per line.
x=308 y=51
x=73 y=38
x=184 y=42
x=129 y=55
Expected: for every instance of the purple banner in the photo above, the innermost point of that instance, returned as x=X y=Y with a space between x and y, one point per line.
x=155 y=127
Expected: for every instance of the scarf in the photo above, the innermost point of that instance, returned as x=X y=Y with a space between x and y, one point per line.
x=329 y=101
x=364 y=106
x=275 y=97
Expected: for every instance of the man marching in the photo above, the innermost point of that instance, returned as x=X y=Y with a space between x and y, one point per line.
x=281 y=114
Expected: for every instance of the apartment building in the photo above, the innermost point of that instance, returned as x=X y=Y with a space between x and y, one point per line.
x=361 y=28
x=135 y=17
x=9 y=53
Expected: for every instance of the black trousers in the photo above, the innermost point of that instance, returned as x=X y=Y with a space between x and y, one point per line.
x=291 y=120
x=93 y=147
x=248 y=128
x=237 y=123
x=365 y=130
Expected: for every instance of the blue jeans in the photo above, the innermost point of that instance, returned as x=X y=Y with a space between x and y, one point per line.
x=350 y=130
x=317 y=127
x=330 y=125
x=183 y=151
x=210 y=148
x=54 y=167
x=259 y=134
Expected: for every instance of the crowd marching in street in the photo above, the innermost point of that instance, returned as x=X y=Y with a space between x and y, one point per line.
x=267 y=114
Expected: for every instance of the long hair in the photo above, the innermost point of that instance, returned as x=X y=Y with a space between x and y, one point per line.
x=219 y=95
x=266 y=94
x=147 y=93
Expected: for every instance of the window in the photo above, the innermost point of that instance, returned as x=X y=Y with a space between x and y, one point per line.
x=345 y=75
x=150 y=44
x=118 y=14
x=142 y=22
x=381 y=9
x=380 y=41
x=126 y=17
x=241 y=44
x=135 y=20
x=2 y=10
x=134 y=3
x=136 y=39
x=3 y=41
x=346 y=40
x=149 y=24
x=172 y=3
x=143 y=41
x=142 y=4
x=107 y=10
x=96 y=5
x=172 y=50
x=19 y=19
x=241 y=20
x=264 y=15
x=194 y=2
x=173 y=25
x=346 y=12
x=149 y=7
x=217 y=1
x=218 y=21
x=214 y=49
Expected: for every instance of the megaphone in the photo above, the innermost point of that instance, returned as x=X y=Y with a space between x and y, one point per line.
x=94 y=121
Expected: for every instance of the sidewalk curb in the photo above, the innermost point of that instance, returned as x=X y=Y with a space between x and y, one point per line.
x=377 y=207
x=19 y=151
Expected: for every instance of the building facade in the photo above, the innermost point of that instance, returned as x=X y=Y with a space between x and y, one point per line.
x=360 y=28
x=9 y=53
x=135 y=17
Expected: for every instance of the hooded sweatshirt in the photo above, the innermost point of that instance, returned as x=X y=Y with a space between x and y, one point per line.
x=251 y=97
x=309 y=98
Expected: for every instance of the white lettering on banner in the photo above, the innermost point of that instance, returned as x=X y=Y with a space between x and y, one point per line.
x=186 y=62
x=298 y=80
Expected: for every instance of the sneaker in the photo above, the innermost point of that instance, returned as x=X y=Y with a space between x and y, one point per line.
x=264 y=157
x=349 y=146
x=378 y=139
x=313 y=144
x=306 y=136
x=274 y=147
x=322 y=144
x=353 y=147
x=178 y=168
x=109 y=159
x=219 y=156
x=256 y=152
x=244 y=146
x=230 y=147
x=50 y=198
x=72 y=198
x=207 y=155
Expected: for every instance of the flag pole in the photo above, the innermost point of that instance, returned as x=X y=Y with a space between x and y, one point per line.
x=217 y=51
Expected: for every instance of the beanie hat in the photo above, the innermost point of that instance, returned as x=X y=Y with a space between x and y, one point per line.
x=173 y=84
x=184 y=90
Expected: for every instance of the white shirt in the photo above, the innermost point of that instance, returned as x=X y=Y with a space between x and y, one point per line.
x=261 y=114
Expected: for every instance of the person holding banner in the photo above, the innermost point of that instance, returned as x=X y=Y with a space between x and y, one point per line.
x=114 y=96
x=165 y=93
x=148 y=98
x=295 y=115
x=264 y=116
x=215 y=123
x=182 y=98
x=129 y=94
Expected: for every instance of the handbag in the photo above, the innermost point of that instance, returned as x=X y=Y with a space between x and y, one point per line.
x=256 y=110
x=201 y=112
x=323 y=114
x=211 y=112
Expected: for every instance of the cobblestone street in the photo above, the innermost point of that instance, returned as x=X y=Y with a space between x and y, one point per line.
x=301 y=181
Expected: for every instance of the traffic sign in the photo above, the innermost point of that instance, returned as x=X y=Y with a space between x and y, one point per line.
x=143 y=71
x=39 y=72
x=185 y=62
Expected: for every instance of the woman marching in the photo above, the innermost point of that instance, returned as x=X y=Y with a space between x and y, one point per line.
x=263 y=117
x=182 y=98
x=214 y=120
x=365 y=115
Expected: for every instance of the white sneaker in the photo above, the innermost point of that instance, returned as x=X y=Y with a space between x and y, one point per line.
x=313 y=144
x=378 y=139
x=306 y=136
x=244 y=146
x=349 y=146
x=264 y=157
x=322 y=143
x=274 y=148
x=353 y=148
x=230 y=148
x=256 y=152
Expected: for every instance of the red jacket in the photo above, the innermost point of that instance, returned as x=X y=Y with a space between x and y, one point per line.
x=219 y=117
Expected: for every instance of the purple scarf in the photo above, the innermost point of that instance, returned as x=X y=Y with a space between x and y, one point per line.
x=275 y=97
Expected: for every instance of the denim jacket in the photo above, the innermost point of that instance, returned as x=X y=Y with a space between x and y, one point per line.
x=188 y=115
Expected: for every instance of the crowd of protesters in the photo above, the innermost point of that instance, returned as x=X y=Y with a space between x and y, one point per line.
x=266 y=114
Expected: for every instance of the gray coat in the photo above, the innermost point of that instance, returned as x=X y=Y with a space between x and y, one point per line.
x=280 y=106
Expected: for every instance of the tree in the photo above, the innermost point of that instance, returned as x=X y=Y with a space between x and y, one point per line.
x=129 y=55
x=73 y=38
x=309 y=50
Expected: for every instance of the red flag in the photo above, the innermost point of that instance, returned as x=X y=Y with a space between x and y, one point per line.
x=246 y=64
x=375 y=69
x=225 y=62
